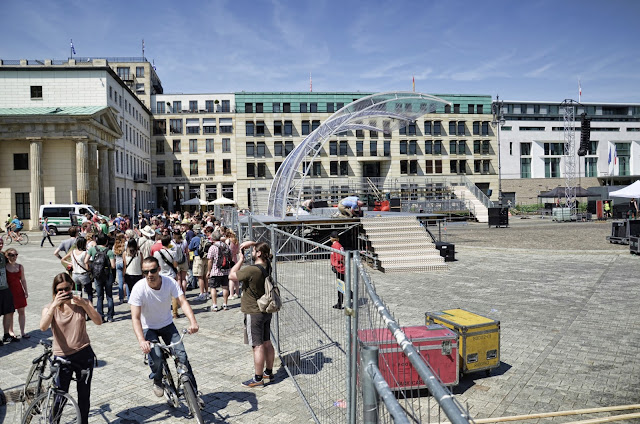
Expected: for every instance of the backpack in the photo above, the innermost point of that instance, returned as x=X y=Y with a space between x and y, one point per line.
x=225 y=261
x=180 y=256
x=205 y=244
x=270 y=301
x=101 y=266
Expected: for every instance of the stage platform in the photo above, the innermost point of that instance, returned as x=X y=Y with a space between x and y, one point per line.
x=315 y=219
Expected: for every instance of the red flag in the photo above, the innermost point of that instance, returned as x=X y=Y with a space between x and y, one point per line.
x=414 y=83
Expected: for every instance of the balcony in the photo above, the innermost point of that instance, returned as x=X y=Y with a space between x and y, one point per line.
x=140 y=178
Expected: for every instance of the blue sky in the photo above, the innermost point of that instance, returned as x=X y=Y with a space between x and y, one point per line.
x=529 y=50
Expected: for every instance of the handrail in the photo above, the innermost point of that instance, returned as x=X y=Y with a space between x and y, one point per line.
x=476 y=191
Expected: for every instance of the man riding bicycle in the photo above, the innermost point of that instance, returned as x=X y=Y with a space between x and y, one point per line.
x=150 y=301
x=15 y=225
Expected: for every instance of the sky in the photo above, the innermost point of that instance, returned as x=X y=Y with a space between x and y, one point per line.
x=519 y=50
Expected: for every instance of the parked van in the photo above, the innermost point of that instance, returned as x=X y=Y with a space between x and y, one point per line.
x=60 y=215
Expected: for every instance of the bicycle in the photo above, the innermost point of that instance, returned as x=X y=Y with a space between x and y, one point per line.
x=36 y=382
x=20 y=238
x=55 y=405
x=185 y=387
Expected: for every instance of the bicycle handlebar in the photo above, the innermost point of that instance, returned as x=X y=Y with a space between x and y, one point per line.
x=155 y=343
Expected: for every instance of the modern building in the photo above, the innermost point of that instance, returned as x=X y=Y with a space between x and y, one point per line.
x=532 y=146
x=71 y=132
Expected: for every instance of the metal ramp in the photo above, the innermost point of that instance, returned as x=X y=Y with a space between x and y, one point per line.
x=401 y=244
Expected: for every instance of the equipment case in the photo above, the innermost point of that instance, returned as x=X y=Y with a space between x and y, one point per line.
x=437 y=345
x=479 y=338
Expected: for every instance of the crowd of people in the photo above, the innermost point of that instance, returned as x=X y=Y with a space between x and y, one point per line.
x=151 y=266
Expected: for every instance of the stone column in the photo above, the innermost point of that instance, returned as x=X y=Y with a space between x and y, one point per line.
x=37 y=191
x=103 y=180
x=203 y=192
x=170 y=204
x=82 y=172
x=113 y=206
x=94 y=196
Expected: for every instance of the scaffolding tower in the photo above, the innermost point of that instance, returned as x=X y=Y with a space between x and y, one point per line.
x=568 y=106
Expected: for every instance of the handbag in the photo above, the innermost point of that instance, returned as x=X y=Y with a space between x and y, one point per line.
x=270 y=301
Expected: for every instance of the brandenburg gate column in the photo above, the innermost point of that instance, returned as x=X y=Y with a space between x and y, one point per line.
x=82 y=171
x=103 y=180
x=94 y=196
x=112 y=182
x=37 y=191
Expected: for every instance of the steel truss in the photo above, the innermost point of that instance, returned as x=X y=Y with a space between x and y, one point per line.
x=382 y=112
x=570 y=154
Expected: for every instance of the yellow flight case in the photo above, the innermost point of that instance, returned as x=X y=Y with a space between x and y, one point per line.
x=479 y=338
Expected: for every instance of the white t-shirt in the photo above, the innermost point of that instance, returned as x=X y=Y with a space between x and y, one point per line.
x=155 y=304
x=165 y=268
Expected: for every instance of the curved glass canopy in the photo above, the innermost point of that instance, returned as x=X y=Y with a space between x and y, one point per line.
x=382 y=112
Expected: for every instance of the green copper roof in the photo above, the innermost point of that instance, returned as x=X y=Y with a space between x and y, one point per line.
x=60 y=110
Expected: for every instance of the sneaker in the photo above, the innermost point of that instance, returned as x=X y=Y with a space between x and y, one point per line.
x=224 y=307
x=200 y=297
x=253 y=383
x=214 y=308
x=266 y=378
x=201 y=403
x=233 y=297
x=158 y=390
x=9 y=339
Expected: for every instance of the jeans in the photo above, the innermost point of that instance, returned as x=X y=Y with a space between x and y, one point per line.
x=169 y=334
x=120 y=277
x=46 y=237
x=81 y=360
x=105 y=287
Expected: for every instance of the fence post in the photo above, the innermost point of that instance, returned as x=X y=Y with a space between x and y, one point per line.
x=350 y=365
x=370 y=399
x=250 y=227
x=274 y=275
x=351 y=297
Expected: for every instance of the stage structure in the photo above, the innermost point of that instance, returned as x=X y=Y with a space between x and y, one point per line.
x=383 y=112
x=570 y=154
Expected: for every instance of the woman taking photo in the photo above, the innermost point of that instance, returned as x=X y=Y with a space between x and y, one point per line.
x=18 y=285
x=66 y=317
x=81 y=274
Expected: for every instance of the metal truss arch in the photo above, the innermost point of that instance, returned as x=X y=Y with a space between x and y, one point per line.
x=382 y=112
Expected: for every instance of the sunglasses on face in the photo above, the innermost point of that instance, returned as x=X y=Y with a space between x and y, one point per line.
x=147 y=271
x=63 y=289
x=12 y=255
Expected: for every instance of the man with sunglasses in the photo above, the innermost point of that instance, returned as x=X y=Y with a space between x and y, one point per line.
x=150 y=302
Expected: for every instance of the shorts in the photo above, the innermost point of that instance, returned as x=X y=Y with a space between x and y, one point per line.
x=257 y=329
x=82 y=279
x=198 y=266
x=219 y=281
x=184 y=266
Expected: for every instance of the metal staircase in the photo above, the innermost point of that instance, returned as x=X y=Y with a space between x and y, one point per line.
x=477 y=207
x=401 y=244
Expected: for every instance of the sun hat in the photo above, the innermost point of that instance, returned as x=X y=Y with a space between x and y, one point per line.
x=148 y=231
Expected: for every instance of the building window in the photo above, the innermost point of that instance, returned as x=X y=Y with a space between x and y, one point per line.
x=226 y=106
x=226 y=166
x=260 y=128
x=593 y=148
x=456 y=108
x=437 y=128
x=317 y=169
x=193 y=146
x=462 y=147
x=453 y=166
x=177 y=168
x=359 y=148
x=176 y=146
x=248 y=108
x=159 y=127
x=552 y=167
x=470 y=109
x=373 y=148
x=453 y=147
x=193 y=167
x=373 y=134
x=452 y=128
x=208 y=105
x=20 y=161
x=288 y=128
x=303 y=108
x=485 y=166
x=209 y=145
x=339 y=106
x=211 y=169
x=411 y=129
x=276 y=108
x=333 y=167
x=314 y=125
x=437 y=147
x=525 y=167
x=438 y=166
x=428 y=147
x=330 y=107
x=226 y=145
x=193 y=105
x=553 y=149
x=479 y=109
x=427 y=127
x=278 y=164
x=36 y=91
x=344 y=168
x=209 y=129
x=259 y=108
x=403 y=167
x=413 y=147
x=360 y=133
x=477 y=166
x=277 y=148
x=277 y=128
x=461 y=128
x=413 y=167
x=159 y=147
x=344 y=148
x=525 y=149
x=305 y=128
x=476 y=128
x=333 y=148
x=251 y=170
x=428 y=167
x=139 y=71
x=261 y=149
x=387 y=148
x=590 y=167
x=485 y=128
x=286 y=107
x=23 y=206
x=123 y=73
x=175 y=126
x=262 y=170
x=288 y=147
x=250 y=150
x=313 y=107
x=160 y=168
x=177 y=106
x=486 y=147
x=447 y=108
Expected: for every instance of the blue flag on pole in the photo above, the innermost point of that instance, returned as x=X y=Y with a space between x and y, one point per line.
x=73 y=50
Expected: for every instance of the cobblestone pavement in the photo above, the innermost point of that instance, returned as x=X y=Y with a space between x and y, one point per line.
x=567 y=300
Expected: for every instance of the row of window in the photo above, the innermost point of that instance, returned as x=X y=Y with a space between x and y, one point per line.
x=330 y=107
x=209 y=145
x=192 y=127
x=210 y=106
x=526 y=109
x=557 y=149
x=552 y=167
x=193 y=168
x=129 y=107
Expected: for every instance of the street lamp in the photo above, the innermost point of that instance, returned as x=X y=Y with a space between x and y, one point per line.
x=498 y=120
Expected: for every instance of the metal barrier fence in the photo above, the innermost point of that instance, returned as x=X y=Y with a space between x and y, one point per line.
x=321 y=347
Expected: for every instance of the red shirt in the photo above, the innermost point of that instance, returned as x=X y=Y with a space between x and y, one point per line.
x=156 y=247
x=337 y=260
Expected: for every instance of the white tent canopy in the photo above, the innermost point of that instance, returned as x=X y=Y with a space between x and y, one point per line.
x=630 y=192
x=223 y=201
x=195 y=202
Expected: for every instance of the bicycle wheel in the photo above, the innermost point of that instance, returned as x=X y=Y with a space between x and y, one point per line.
x=192 y=400
x=52 y=407
x=34 y=385
x=169 y=386
x=23 y=239
x=6 y=238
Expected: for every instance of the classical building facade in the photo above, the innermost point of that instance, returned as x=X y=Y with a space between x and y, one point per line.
x=72 y=132
x=532 y=147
